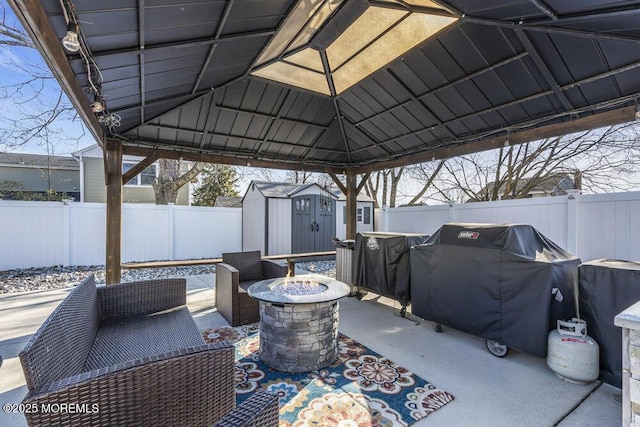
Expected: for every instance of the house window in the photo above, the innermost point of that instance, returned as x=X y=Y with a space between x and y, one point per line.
x=359 y=215
x=144 y=178
x=367 y=215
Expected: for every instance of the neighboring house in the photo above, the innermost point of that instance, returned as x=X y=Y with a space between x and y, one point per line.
x=36 y=173
x=228 y=202
x=281 y=218
x=138 y=190
x=552 y=185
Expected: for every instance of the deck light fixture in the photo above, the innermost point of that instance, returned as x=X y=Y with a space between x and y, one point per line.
x=327 y=46
x=70 y=41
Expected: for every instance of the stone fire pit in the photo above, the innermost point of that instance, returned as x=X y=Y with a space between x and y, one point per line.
x=299 y=321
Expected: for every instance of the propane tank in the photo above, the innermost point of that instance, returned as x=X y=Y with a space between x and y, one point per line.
x=572 y=354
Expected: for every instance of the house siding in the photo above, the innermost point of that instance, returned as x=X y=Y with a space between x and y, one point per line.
x=95 y=189
x=34 y=179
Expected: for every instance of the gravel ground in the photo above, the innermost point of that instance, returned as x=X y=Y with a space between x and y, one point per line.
x=38 y=279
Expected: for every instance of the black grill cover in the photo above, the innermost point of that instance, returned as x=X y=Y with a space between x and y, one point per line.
x=494 y=281
x=607 y=288
x=381 y=262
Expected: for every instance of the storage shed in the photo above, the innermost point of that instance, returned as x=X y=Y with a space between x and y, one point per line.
x=282 y=218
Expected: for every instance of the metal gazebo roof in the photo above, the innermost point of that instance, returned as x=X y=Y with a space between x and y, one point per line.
x=179 y=80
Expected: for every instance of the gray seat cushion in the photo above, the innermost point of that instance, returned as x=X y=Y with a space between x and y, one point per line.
x=244 y=286
x=125 y=339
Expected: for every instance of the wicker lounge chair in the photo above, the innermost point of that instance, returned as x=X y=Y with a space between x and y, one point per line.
x=234 y=275
x=130 y=354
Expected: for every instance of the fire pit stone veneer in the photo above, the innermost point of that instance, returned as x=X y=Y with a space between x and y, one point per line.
x=299 y=321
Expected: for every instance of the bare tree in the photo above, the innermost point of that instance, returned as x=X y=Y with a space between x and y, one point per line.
x=171 y=177
x=293 y=177
x=383 y=186
x=425 y=174
x=11 y=33
x=38 y=109
x=600 y=160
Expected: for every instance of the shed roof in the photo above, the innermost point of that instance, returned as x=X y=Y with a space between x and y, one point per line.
x=228 y=202
x=277 y=190
x=180 y=78
x=285 y=190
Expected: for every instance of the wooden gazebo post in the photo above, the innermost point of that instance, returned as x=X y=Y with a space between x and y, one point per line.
x=351 y=192
x=352 y=202
x=113 y=178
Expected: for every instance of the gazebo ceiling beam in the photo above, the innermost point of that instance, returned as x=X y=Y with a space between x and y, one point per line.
x=182 y=44
x=528 y=98
x=270 y=116
x=412 y=8
x=521 y=25
x=150 y=103
x=544 y=8
x=542 y=67
x=592 y=14
x=207 y=122
x=241 y=137
x=212 y=49
x=417 y=102
x=282 y=100
x=141 y=24
x=142 y=149
x=447 y=86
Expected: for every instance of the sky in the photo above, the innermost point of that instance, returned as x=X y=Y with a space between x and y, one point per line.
x=17 y=64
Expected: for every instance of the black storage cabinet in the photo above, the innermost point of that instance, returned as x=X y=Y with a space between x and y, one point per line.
x=381 y=263
x=607 y=288
x=495 y=281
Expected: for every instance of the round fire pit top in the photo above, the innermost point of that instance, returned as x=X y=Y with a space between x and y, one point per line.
x=304 y=289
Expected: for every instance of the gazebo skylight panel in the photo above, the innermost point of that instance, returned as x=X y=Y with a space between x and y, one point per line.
x=327 y=46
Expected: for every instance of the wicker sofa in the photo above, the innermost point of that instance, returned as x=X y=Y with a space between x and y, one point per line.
x=234 y=275
x=130 y=354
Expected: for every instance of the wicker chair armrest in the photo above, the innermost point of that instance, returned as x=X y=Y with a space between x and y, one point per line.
x=227 y=274
x=143 y=297
x=271 y=269
x=260 y=410
x=191 y=386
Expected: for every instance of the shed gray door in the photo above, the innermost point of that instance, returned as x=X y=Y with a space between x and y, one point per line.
x=326 y=224
x=313 y=224
x=303 y=225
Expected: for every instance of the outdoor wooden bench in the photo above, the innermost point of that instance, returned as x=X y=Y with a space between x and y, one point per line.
x=131 y=354
x=291 y=261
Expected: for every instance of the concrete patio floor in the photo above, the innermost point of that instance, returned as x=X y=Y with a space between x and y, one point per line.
x=516 y=390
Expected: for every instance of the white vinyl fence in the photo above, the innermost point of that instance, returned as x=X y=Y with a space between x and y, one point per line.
x=590 y=226
x=43 y=234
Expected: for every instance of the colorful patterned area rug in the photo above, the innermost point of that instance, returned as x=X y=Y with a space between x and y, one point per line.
x=362 y=388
